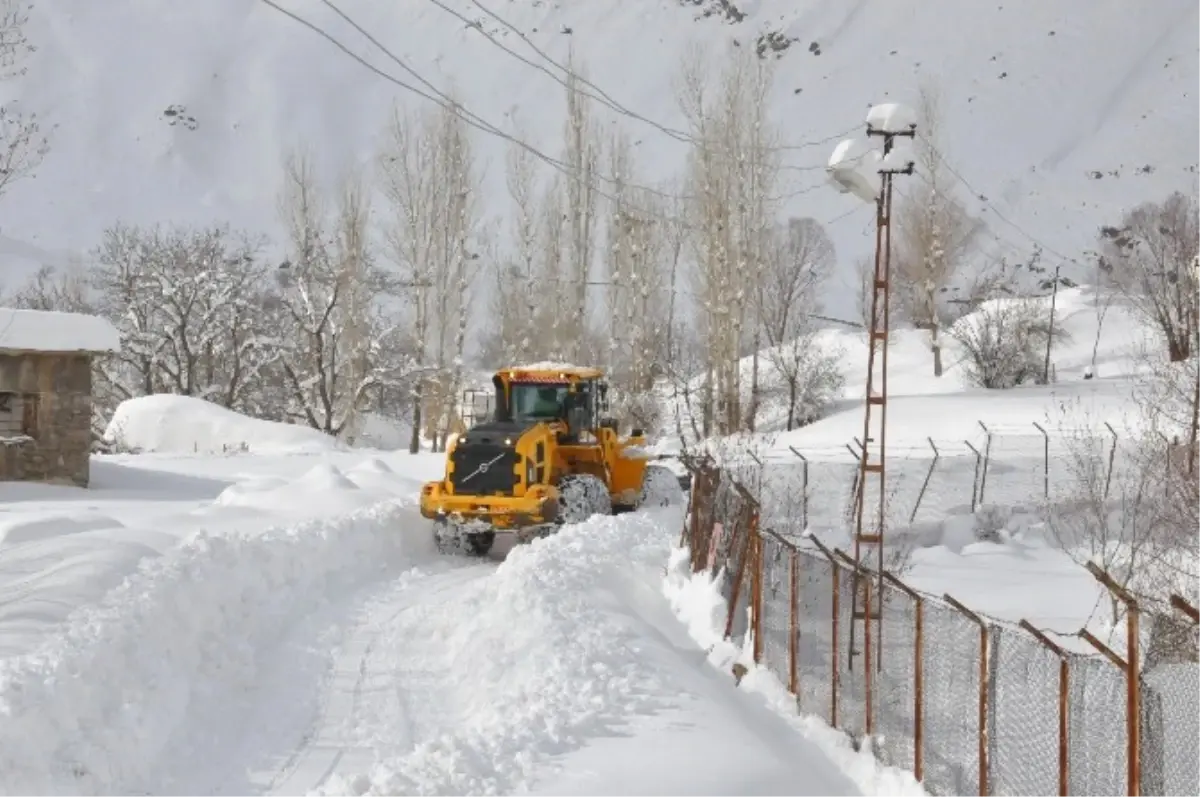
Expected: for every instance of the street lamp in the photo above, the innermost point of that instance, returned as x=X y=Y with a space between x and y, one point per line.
x=856 y=167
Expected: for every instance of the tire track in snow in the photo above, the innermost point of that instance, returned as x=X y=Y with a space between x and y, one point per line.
x=359 y=669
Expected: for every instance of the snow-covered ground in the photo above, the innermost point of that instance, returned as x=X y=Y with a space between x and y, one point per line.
x=1061 y=119
x=1024 y=575
x=278 y=622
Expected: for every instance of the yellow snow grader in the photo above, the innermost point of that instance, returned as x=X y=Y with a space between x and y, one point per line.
x=547 y=457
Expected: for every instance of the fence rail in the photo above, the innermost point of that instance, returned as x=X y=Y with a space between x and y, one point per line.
x=970 y=705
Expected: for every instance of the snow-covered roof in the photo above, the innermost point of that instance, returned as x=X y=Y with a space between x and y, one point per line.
x=559 y=367
x=44 y=331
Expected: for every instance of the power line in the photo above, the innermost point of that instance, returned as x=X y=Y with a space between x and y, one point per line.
x=988 y=204
x=472 y=119
x=602 y=96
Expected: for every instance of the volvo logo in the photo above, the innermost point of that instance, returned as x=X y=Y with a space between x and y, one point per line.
x=483 y=468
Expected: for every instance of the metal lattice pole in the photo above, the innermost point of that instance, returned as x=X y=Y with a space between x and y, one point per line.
x=873 y=460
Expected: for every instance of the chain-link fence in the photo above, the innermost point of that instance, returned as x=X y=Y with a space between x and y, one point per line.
x=1019 y=467
x=969 y=704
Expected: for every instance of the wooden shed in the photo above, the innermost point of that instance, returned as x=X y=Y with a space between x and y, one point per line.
x=46 y=393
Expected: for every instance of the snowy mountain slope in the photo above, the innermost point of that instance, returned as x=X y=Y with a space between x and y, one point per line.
x=1060 y=116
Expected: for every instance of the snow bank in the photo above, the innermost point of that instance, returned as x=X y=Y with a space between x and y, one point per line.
x=91 y=711
x=698 y=603
x=168 y=424
x=322 y=490
x=537 y=653
x=38 y=330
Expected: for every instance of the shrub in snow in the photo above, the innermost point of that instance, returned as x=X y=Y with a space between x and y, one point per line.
x=1004 y=342
x=635 y=410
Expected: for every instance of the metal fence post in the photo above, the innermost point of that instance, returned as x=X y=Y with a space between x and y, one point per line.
x=1112 y=455
x=803 y=488
x=834 y=571
x=741 y=528
x=1131 y=665
x=975 y=482
x=987 y=455
x=984 y=786
x=794 y=623
x=1064 y=685
x=1045 y=458
x=918 y=673
x=924 y=485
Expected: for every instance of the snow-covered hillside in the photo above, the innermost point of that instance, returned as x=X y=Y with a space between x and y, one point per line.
x=1058 y=117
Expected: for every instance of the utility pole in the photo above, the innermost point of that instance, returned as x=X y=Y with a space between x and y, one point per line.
x=887 y=122
x=1050 y=329
x=1194 y=436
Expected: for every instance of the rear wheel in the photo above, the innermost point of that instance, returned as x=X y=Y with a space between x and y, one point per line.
x=580 y=496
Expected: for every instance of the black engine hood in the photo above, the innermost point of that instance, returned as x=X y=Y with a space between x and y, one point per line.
x=495 y=432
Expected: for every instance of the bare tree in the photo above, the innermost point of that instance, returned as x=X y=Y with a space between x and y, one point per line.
x=637 y=241
x=189 y=304
x=798 y=262
x=731 y=176
x=581 y=158
x=517 y=298
x=1004 y=342
x=22 y=143
x=1136 y=515
x=331 y=361
x=53 y=289
x=934 y=233
x=428 y=177
x=1152 y=257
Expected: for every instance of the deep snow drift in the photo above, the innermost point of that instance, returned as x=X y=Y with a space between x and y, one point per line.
x=176 y=115
x=169 y=424
x=342 y=655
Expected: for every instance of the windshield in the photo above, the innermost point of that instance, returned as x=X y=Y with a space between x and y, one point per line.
x=538 y=402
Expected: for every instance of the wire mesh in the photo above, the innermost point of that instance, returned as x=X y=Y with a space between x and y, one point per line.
x=1097 y=729
x=851 y=659
x=951 y=657
x=806 y=623
x=1170 y=729
x=775 y=622
x=1024 y=717
x=814 y=627
x=734 y=513
x=895 y=680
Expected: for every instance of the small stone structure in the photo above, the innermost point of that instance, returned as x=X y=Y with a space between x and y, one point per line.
x=46 y=393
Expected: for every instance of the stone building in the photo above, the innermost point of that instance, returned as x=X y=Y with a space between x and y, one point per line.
x=46 y=393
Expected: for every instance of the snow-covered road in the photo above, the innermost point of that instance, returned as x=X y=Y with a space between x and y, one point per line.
x=381 y=693
x=342 y=656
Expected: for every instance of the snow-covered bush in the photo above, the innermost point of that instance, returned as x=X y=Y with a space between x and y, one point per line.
x=635 y=409
x=1004 y=342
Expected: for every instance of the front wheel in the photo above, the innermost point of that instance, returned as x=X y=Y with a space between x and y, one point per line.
x=660 y=487
x=452 y=539
x=580 y=496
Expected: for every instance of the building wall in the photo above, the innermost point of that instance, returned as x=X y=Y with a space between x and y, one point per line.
x=45 y=417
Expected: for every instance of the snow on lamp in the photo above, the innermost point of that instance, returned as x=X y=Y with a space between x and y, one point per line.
x=853 y=168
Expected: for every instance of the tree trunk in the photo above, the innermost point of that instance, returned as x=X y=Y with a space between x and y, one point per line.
x=1178 y=348
x=792 y=390
x=935 y=345
x=414 y=443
